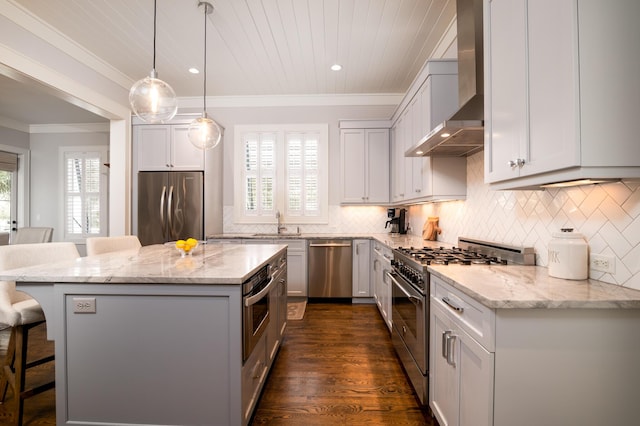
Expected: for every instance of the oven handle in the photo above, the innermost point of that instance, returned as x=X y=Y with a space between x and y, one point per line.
x=252 y=300
x=413 y=299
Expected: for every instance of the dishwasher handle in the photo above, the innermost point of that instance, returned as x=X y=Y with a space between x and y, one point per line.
x=330 y=245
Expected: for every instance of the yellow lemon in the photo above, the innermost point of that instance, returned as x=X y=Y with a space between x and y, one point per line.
x=192 y=242
x=180 y=244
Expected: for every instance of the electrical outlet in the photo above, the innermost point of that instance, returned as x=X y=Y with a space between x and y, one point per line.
x=603 y=263
x=84 y=305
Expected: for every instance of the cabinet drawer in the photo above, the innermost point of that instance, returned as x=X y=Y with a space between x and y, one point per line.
x=472 y=316
x=294 y=245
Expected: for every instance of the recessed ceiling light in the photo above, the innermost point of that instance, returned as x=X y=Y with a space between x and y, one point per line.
x=336 y=67
x=193 y=70
x=445 y=135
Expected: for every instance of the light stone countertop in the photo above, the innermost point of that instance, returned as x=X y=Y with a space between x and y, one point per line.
x=156 y=264
x=524 y=287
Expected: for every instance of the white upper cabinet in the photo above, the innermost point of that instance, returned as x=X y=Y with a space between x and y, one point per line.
x=557 y=85
x=432 y=99
x=166 y=147
x=364 y=168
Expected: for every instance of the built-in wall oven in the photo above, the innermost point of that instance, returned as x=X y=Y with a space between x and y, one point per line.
x=257 y=312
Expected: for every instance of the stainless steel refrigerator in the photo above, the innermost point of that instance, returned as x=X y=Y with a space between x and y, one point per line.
x=170 y=206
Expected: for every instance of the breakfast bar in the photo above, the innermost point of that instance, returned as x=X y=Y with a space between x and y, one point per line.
x=149 y=337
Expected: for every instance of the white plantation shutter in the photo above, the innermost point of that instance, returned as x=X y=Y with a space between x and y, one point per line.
x=85 y=197
x=259 y=173
x=279 y=168
x=302 y=191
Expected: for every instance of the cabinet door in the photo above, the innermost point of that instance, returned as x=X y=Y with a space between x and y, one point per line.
x=184 y=155
x=353 y=165
x=444 y=387
x=397 y=161
x=505 y=87
x=553 y=87
x=476 y=366
x=361 y=268
x=386 y=294
x=377 y=179
x=153 y=145
x=296 y=273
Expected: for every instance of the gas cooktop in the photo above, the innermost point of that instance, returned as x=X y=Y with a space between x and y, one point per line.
x=468 y=252
x=445 y=256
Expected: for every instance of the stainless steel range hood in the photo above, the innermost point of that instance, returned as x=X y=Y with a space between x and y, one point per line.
x=463 y=133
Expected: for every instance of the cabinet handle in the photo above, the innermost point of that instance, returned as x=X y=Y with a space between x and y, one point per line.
x=452 y=305
x=450 y=342
x=418 y=191
x=518 y=163
x=445 y=340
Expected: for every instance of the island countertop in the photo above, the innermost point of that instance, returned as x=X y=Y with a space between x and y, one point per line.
x=156 y=264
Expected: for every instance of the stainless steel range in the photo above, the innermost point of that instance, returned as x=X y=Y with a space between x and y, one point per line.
x=410 y=293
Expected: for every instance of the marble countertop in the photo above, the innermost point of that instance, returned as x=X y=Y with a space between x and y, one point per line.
x=524 y=287
x=156 y=264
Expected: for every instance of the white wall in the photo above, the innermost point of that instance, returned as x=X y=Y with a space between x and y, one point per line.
x=46 y=192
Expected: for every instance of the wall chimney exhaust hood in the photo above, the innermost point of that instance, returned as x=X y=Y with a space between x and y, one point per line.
x=463 y=133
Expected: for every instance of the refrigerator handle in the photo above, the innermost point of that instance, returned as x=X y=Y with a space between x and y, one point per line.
x=169 y=215
x=162 y=208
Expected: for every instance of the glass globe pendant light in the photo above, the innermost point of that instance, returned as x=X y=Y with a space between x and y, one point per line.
x=204 y=133
x=152 y=99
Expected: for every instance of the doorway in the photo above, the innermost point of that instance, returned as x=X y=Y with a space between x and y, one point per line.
x=8 y=195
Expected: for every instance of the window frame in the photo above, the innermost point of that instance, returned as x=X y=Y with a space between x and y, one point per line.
x=281 y=174
x=103 y=152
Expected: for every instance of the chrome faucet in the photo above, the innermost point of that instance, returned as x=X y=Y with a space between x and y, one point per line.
x=280 y=227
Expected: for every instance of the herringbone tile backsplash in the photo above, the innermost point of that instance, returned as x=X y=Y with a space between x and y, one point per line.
x=608 y=215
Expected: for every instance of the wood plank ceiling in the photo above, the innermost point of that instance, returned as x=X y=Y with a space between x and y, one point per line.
x=259 y=47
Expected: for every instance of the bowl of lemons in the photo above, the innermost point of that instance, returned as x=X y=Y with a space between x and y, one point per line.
x=186 y=247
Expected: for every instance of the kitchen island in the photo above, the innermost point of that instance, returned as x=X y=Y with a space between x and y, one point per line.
x=147 y=337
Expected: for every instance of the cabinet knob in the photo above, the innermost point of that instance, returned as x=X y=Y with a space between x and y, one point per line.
x=518 y=163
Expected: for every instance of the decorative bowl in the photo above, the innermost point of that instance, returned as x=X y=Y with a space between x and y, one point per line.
x=186 y=247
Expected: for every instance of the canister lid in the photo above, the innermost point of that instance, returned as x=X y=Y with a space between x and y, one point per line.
x=568 y=233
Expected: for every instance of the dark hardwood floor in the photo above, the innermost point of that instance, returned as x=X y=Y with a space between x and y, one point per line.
x=335 y=367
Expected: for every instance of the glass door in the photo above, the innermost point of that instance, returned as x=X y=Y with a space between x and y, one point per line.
x=8 y=195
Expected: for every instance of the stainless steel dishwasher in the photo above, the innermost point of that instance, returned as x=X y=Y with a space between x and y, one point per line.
x=329 y=268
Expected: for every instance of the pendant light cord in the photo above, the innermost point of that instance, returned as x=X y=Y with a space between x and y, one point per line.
x=204 y=92
x=154 y=33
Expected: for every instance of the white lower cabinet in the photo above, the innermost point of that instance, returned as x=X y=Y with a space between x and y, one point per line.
x=381 y=265
x=461 y=369
x=531 y=366
x=296 y=267
x=361 y=268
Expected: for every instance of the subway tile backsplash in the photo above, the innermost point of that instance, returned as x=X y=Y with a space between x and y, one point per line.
x=607 y=214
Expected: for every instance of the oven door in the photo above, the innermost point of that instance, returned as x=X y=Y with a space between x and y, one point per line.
x=256 y=315
x=410 y=312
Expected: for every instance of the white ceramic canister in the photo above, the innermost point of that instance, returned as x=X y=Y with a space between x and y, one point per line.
x=568 y=255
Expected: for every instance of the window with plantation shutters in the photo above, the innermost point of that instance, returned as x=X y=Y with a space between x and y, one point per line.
x=281 y=168
x=85 y=195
